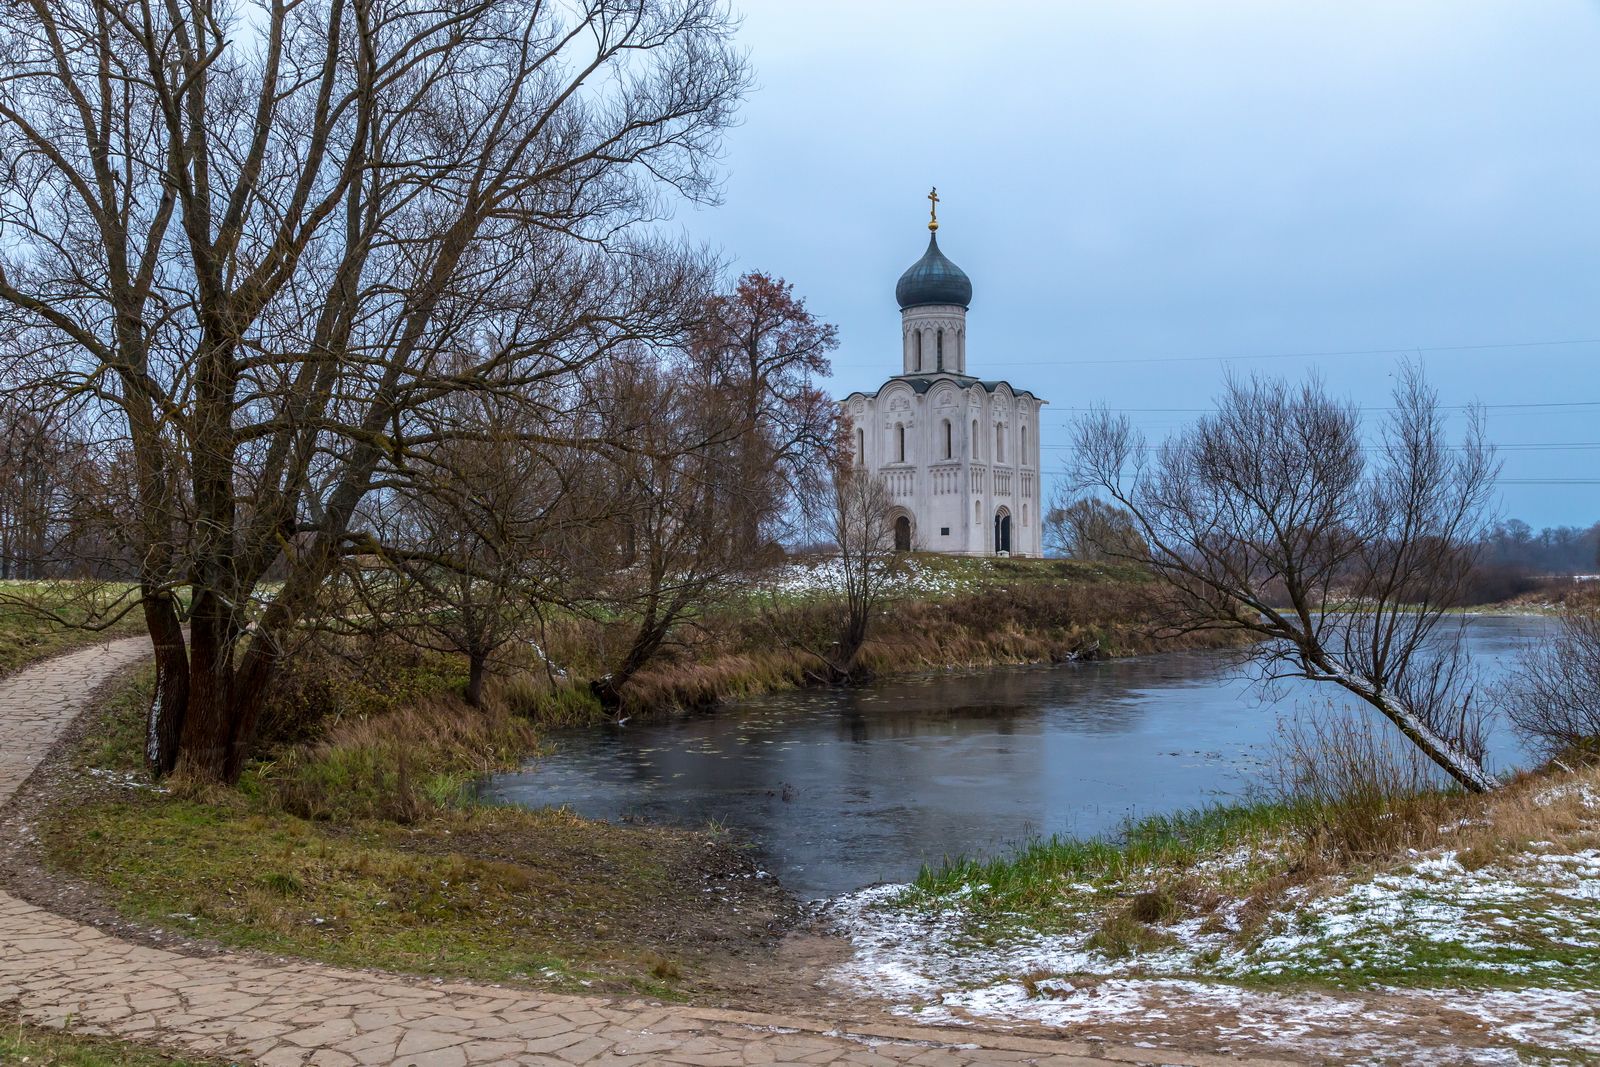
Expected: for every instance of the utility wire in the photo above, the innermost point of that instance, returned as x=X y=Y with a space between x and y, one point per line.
x=1444 y=407
x=1408 y=350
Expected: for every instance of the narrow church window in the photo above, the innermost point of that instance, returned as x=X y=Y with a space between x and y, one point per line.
x=974 y=440
x=861 y=447
x=900 y=432
x=919 y=349
x=938 y=350
x=1022 y=457
x=1000 y=443
x=949 y=440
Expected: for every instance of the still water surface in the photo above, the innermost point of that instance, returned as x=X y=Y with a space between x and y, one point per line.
x=841 y=788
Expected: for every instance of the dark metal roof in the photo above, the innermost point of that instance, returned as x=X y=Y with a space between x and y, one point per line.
x=933 y=279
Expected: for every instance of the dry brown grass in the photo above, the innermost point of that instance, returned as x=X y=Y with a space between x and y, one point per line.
x=1558 y=806
x=735 y=654
x=398 y=765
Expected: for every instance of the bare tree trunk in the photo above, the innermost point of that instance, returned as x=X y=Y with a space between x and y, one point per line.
x=648 y=637
x=475 y=671
x=1466 y=771
x=169 y=701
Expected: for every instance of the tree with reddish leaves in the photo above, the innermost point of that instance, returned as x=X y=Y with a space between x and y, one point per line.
x=765 y=351
x=713 y=448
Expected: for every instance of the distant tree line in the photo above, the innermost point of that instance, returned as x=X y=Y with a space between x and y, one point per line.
x=1516 y=560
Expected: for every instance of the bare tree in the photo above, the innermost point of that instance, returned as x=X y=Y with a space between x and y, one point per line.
x=1270 y=517
x=61 y=493
x=1088 y=528
x=264 y=247
x=474 y=543
x=33 y=467
x=1553 y=693
x=858 y=510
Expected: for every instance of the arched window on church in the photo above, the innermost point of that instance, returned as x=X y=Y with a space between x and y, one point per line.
x=938 y=349
x=999 y=442
x=861 y=447
x=1022 y=458
x=919 y=349
x=977 y=513
x=974 y=440
x=900 y=436
x=961 y=351
x=949 y=440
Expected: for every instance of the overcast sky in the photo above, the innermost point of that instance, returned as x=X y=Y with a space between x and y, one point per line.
x=1138 y=188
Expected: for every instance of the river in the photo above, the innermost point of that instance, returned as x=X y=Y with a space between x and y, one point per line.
x=843 y=788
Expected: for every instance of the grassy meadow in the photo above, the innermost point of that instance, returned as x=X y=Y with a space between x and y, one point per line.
x=41 y=619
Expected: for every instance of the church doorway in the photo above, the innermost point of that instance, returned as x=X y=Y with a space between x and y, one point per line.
x=902 y=534
x=1002 y=532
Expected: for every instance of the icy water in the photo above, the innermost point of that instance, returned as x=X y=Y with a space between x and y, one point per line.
x=842 y=788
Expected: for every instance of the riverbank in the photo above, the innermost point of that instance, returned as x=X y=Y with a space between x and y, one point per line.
x=1125 y=1000
x=63 y=969
x=1483 y=906
x=354 y=839
x=350 y=852
x=939 y=612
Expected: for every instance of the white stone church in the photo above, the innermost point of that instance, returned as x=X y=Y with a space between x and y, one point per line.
x=958 y=454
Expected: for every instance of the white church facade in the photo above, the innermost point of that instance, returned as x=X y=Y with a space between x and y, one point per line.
x=959 y=455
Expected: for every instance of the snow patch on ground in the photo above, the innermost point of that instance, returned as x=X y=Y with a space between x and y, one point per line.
x=1504 y=920
x=908 y=577
x=1585 y=795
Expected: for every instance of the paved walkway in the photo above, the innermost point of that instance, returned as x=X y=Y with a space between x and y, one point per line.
x=61 y=972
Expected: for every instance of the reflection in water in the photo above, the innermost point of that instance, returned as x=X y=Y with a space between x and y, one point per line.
x=845 y=787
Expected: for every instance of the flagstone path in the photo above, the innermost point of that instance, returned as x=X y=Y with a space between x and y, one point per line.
x=60 y=972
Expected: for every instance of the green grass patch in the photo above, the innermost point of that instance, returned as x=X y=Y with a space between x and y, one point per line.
x=1049 y=884
x=1428 y=891
x=42 y=619
x=489 y=894
x=39 y=1046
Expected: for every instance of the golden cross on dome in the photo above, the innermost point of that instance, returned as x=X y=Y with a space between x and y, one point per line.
x=933 y=208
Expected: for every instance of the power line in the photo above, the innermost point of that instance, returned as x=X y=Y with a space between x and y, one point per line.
x=1445 y=407
x=1540 y=446
x=1408 y=350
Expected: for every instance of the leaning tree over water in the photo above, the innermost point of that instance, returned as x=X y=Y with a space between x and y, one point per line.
x=1274 y=517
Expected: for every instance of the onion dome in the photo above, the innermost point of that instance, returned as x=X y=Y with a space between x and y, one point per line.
x=933 y=279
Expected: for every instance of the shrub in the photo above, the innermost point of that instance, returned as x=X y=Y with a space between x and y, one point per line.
x=397 y=765
x=1356 y=788
x=1553 y=695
